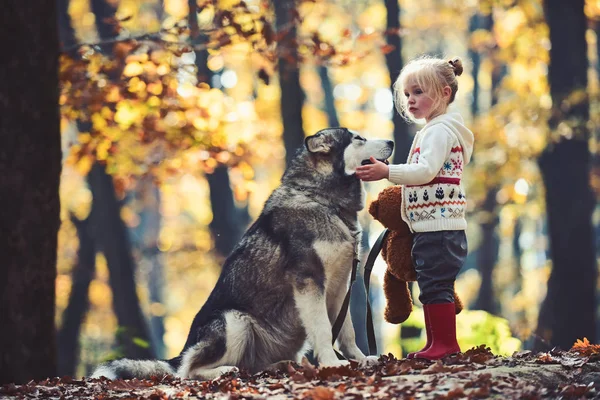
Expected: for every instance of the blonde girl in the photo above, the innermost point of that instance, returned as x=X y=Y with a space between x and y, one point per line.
x=433 y=197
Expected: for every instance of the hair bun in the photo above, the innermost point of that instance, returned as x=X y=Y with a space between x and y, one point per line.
x=456 y=65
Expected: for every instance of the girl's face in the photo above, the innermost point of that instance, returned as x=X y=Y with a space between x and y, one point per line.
x=420 y=105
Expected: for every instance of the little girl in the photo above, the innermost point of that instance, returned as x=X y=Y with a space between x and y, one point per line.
x=433 y=199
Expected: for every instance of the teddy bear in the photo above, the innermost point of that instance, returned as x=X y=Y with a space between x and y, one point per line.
x=396 y=252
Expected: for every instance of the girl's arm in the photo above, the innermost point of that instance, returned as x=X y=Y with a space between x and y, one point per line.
x=435 y=146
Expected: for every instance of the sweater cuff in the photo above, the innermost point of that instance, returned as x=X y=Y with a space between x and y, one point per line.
x=396 y=174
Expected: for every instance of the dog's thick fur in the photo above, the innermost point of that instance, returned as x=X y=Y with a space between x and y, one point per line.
x=284 y=283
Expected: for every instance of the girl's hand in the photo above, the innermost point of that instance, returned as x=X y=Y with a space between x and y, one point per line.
x=373 y=172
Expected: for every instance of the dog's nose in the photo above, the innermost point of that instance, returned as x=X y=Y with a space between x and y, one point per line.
x=391 y=144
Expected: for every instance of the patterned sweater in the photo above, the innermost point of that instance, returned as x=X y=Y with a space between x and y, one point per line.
x=433 y=198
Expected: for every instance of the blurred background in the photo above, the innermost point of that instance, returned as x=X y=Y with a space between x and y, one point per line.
x=178 y=118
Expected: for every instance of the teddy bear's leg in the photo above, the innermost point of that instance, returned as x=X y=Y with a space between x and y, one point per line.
x=398 y=299
x=458 y=305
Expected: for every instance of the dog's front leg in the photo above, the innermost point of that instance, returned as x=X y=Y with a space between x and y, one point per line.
x=310 y=302
x=346 y=338
x=348 y=347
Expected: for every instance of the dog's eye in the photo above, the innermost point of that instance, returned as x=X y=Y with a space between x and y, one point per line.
x=362 y=139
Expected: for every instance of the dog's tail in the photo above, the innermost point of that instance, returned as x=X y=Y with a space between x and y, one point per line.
x=129 y=369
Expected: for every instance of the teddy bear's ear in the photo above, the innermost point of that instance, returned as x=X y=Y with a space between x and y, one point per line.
x=394 y=192
x=374 y=208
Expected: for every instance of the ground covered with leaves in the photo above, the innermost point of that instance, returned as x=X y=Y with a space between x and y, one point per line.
x=474 y=374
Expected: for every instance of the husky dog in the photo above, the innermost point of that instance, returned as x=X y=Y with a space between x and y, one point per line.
x=284 y=283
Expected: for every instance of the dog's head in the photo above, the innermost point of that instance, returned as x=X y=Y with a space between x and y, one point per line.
x=347 y=150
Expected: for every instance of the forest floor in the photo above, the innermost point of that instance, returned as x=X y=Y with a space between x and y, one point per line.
x=475 y=374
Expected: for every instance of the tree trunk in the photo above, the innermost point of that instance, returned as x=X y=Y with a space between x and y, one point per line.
x=475 y=57
x=292 y=95
x=104 y=12
x=66 y=32
x=227 y=225
x=393 y=60
x=83 y=272
x=487 y=254
x=569 y=310
x=332 y=117
x=477 y=21
x=30 y=165
x=111 y=234
x=145 y=238
x=74 y=314
x=111 y=237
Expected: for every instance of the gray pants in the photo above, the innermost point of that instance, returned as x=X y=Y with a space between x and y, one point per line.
x=438 y=257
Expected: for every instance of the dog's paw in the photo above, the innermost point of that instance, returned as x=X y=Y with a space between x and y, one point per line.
x=368 y=361
x=208 y=374
x=227 y=369
x=333 y=363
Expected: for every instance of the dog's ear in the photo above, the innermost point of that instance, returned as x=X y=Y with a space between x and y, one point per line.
x=317 y=143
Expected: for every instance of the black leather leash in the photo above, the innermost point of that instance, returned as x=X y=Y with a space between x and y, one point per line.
x=337 y=326
x=339 y=321
x=367 y=279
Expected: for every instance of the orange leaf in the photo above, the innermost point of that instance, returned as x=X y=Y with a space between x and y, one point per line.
x=585 y=348
x=388 y=48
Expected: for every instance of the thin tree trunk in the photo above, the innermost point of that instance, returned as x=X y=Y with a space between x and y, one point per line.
x=332 y=117
x=30 y=166
x=476 y=22
x=292 y=95
x=67 y=34
x=228 y=221
x=487 y=254
x=226 y=225
x=78 y=305
x=156 y=279
x=111 y=233
x=111 y=238
x=475 y=57
x=146 y=236
x=83 y=271
x=393 y=59
x=160 y=10
x=568 y=312
x=104 y=12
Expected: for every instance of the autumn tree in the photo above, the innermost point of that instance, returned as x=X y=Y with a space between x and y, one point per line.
x=30 y=164
x=109 y=234
x=228 y=222
x=481 y=26
x=569 y=310
x=292 y=95
x=68 y=332
x=393 y=59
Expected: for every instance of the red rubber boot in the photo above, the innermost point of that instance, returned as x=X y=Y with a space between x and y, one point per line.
x=428 y=331
x=442 y=322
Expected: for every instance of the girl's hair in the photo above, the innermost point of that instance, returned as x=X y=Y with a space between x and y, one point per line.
x=431 y=75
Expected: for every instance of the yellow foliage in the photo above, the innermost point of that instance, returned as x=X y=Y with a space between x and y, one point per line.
x=133 y=69
x=84 y=164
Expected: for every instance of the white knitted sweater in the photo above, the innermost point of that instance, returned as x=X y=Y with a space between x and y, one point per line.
x=433 y=198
